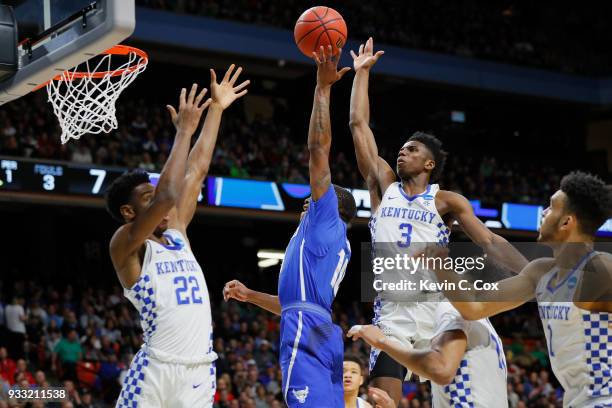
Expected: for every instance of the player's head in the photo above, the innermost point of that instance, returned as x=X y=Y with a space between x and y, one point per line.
x=577 y=210
x=352 y=377
x=422 y=153
x=347 y=207
x=129 y=195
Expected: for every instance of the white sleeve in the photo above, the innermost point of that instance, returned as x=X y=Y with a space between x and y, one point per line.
x=448 y=318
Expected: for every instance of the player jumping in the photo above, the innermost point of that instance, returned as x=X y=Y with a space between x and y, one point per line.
x=464 y=361
x=311 y=346
x=573 y=290
x=412 y=211
x=156 y=266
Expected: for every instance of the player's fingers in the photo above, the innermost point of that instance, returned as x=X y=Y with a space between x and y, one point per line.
x=322 y=54
x=330 y=53
x=242 y=85
x=192 y=94
x=206 y=104
x=182 y=98
x=343 y=71
x=172 y=112
x=235 y=76
x=241 y=94
x=315 y=56
x=213 y=76
x=200 y=96
x=379 y=54
x=361 y=46
x=228 y=73
x=353 y=54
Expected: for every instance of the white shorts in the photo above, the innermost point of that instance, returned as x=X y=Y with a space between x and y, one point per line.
x=151 y=383
x=410 y=323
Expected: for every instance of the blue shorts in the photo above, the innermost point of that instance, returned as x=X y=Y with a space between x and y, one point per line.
x=311 y=358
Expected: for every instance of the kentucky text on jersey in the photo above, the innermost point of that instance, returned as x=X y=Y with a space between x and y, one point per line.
x=182 y=265
x=407 y=214
x=554 y=312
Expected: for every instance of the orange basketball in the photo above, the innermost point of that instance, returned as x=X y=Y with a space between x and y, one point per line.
x=320 y=26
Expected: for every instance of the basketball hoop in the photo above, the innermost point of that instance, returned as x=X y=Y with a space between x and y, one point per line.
x=84 y=101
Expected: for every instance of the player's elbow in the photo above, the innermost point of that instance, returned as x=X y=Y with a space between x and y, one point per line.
x=472 y=313
x=167 y=196
x=356 y=122
x=441 y=372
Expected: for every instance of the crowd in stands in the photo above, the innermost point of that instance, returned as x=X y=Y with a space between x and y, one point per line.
x=564 y=38
x=263 y=148
x=84 y=339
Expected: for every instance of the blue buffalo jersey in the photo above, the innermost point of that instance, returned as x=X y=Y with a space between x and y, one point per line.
x=317 y=255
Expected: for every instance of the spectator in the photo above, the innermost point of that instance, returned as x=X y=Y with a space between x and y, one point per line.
x=82 y=154
x=7 y=366
x=67 y=353
x=15 y=325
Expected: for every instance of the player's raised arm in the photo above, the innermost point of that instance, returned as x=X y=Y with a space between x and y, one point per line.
x=238 y=291
x=375 y=170
x=222 y=96
x=319 y=130
x=437 y=363
x=130 y=237
x=495 y=246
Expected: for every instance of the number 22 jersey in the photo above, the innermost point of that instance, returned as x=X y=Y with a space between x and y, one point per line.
x=173 y=301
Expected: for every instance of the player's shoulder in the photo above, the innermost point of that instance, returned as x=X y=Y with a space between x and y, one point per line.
x=536 y=268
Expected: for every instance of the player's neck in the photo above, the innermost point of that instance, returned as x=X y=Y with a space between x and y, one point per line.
x=416 y=184
x=569 y=253
x=350 y=400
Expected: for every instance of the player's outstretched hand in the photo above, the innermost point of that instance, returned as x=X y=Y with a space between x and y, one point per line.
x=369 y=333
x=190 y=110
x=235 y=290
x=366 y=57
x=226 y=92
x=381 y=398
x=327 y=66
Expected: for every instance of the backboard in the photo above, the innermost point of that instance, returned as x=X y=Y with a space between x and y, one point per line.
x=57 y=35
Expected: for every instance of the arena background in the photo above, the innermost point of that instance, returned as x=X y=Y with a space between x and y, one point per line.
x=516 y=91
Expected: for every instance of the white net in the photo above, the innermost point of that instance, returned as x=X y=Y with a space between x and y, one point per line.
x=84 y=100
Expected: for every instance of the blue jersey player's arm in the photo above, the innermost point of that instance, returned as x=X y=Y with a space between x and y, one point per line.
x=222 y=96
x=237 y=290
x=319 y=131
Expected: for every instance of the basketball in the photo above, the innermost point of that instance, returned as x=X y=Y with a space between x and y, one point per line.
x=320 y=26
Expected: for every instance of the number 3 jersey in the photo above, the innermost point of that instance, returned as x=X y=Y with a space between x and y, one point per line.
x=404 y=224
x=579 y=341
x=172 y=298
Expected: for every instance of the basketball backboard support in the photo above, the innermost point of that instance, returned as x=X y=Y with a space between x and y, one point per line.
x=57 y=35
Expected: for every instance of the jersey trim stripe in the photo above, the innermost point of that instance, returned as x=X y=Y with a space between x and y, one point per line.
x=412 y=198
x=302 y=285
x=296 y=343
x=578 y=266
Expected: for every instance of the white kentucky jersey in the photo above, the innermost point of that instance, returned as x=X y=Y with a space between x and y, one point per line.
x=172 y=298
x=481 y=378
x=579 y=342
x=404 y=224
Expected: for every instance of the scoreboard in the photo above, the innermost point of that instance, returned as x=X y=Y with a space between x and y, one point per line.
x=73 y=179
x=54 y=177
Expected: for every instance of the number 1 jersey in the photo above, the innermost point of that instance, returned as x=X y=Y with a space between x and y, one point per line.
x=172 y=298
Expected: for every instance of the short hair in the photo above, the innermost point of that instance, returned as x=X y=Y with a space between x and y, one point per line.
x=434 y=145
x=354 y=359
x=120 y=191
x=346 y=204
x=589 y=198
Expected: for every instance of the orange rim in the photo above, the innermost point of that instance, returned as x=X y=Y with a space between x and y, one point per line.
x=116 y=50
